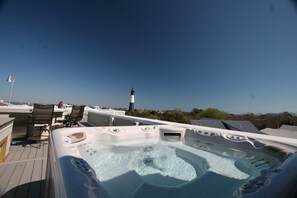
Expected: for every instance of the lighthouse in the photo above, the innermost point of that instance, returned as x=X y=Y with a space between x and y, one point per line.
x=131 y=105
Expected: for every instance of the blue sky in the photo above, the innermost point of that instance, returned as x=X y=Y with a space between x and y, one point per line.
x=235 y=55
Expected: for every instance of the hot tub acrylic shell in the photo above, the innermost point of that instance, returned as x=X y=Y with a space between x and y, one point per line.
x=72 y=176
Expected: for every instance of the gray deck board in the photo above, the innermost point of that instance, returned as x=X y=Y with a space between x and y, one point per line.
x=5 y=178
x=44 y=166
x=25 y=154
x=43 y=176
x=22 y=174
x=15 y=179
x=39 y=152
x=12 y=151
x=2 y=169
x=45 y=150
x=33 y=151
x=27 y=174
x=37 y=171
x=18 y=154
x=35 y=186
x=23 y=188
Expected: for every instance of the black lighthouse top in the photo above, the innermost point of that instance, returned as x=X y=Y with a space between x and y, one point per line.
x=132 y=91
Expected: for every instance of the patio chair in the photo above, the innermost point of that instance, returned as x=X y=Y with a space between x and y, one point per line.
x=42 y=116
x=75 y=116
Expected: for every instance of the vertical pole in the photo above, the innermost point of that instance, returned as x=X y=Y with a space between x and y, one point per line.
x=11 y=80
x=11 y=87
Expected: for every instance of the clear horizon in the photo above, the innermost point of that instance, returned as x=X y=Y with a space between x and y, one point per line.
x=259 y=113
x=236 y=56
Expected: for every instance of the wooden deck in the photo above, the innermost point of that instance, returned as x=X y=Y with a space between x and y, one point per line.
x=23 y=172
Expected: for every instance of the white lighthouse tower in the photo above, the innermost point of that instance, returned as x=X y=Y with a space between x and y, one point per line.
x=131 y=105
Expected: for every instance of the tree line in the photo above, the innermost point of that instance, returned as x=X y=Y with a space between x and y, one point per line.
x=261 y=121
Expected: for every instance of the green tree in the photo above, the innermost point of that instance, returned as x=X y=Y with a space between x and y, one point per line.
x=213 y=113
x=195 y=114
x=174 y=116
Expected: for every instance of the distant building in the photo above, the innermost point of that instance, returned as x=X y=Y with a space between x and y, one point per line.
x=288 y=131
x=245 y=126
x=288 y=127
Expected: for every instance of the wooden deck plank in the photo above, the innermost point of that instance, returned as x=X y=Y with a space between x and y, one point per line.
x=33 y=152
x=9 y=194
x=39 y=152
x=23 y=189
x=18 y=154
x=27 y=174
x=44 y=166
x=14 y=180
x=2 y=169
x=28 y=177
x=45 y=151
x=5 y=178
x=37 y=171
x=26 y=153
x=36 y=180
x=43 y=175
x=23 y=173
x=12 y=152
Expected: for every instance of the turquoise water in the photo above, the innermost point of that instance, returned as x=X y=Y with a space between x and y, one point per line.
x=166 y=167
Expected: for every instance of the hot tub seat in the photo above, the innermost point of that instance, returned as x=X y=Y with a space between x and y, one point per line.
x=206 y=186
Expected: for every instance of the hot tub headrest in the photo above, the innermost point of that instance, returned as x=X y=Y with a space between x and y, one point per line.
x=77 y=137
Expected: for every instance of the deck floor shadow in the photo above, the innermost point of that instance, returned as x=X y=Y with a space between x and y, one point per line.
x=22 y=174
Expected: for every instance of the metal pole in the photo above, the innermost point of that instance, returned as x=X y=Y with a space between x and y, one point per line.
x=11 y=80
x=11 y=87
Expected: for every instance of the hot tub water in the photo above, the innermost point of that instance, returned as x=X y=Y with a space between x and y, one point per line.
x=112 y=161
x=166 y=164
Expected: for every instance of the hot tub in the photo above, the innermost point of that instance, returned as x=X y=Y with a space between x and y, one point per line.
x=169 y=161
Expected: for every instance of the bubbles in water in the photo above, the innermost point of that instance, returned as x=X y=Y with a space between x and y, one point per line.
x=163 y=158
x=148 y=149
x=110 y=162
x=148 y=161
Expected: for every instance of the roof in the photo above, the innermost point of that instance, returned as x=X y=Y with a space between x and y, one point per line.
x=280 y=132
x=284 y=131
x=241 y=126
x=236 y=125
x=208 y=123
x=288 y=127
